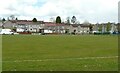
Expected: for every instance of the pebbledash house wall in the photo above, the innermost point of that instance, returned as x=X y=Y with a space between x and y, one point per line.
x=24 y=26
x=54 y=28
x=29 y=27
x=79 y=29
x=41 y=26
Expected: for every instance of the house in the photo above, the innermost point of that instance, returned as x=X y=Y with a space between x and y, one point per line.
x=9 y=24
x=29 y=26
x=35 y=27
x=118 y=27
x=114 y=28
x=54 y=28
x=103 y=26
x=66 y=28
x=95 y=28
x=79 y=29
x=23 y=25
x=1 y=24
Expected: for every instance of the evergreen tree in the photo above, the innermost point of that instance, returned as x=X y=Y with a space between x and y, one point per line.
x=3 y=19
x=34 y=20
x=58 y=19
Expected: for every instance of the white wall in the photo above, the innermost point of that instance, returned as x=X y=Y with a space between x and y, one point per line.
x=20 y=30
x=48 y=31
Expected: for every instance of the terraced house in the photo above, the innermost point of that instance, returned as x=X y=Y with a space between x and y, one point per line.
x=103 y=27
x=28 y=26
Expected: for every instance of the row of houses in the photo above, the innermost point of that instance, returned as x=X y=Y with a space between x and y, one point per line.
x=53 y=28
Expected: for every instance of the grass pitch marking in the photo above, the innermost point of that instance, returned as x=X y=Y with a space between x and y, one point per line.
x=85 y=58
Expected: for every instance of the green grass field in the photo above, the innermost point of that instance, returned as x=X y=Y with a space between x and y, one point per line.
x=60 y=53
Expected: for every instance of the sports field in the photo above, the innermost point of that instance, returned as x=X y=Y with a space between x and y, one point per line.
x=60 y=53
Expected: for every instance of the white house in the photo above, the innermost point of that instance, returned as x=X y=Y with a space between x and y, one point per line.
x=79 y=29
x=28 y=26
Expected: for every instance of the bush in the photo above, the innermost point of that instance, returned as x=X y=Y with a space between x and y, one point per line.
x=97 y=33
x=106 y=33
x=73 y=33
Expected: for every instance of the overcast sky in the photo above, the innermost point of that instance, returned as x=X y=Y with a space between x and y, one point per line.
x=91 y=10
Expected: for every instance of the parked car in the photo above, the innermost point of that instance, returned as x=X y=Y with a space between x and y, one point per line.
x=6 y=31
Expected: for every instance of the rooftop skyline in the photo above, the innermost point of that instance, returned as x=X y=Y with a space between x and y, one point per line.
x=91 y=10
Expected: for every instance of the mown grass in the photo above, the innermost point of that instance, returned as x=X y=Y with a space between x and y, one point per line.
x=29 y=47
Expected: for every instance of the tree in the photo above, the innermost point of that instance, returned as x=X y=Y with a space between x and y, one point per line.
x=77 y=22
x=12 y=17
x=108 y=27
x=100 y=28
x=58 y=19
x=52 y=19
x=3 y=19
x=34 y=20
x=68 y=20
x=73 y=20
x=91 y=28
x=16 y=19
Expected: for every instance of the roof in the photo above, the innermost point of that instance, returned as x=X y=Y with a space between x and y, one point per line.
x=26 y=22
x=82 y=25
x=53 y=24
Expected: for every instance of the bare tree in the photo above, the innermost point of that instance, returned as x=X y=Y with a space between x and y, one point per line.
x=52 y=19
x=68 y=20
x=12 y=17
